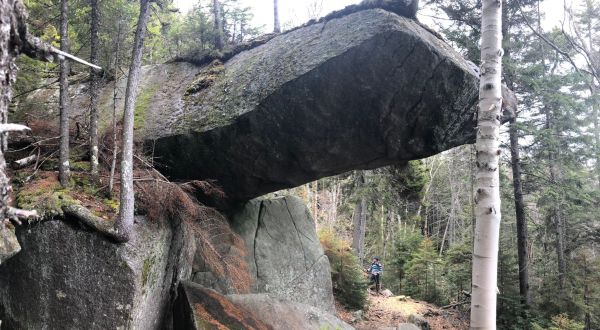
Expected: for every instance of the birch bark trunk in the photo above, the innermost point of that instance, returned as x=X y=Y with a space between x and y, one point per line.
x=94 y=88
x=276 y=24
x=487 y=230
x=63 y=166
x=219 y=43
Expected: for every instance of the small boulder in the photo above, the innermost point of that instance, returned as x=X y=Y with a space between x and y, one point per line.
x=403 y=298
x=419 y=321
x=387 y=293
x=407 y=326
x=357 y=316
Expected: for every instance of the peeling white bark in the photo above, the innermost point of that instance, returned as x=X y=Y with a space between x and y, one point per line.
x=487 y=195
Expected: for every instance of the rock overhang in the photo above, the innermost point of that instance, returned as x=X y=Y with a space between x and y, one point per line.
x=362 y=91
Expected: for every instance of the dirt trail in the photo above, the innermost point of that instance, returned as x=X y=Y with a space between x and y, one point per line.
x=389 y=312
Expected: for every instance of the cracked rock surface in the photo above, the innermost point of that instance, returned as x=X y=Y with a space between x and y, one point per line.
x=361 y=91
x=284 y=253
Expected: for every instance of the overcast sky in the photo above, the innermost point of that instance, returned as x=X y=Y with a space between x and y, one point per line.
x=296 y=12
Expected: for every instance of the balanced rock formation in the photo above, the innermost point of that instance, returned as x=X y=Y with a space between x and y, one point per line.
x=355 y=92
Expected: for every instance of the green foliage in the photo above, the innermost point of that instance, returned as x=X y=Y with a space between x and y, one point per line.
x=349 y=284
x=407 y=243
x=560 y=322
x=422 y=273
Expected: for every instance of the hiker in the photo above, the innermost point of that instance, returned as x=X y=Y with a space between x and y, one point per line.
x=375 y=272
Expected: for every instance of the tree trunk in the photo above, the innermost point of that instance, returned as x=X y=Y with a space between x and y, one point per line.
x=219 y=43
x=522 y=233
x=556 y=216
x=113 y=165
x=595 y=115
x=63 y=166
x=94 y=88
x=124 y=223
x=276 y=24
x=359 y=222
x=487 y=231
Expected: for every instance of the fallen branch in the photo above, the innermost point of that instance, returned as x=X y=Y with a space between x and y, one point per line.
x=38 y=49
x=455 y=304
x=74 y=58
x=5 y=128
x=23 y=162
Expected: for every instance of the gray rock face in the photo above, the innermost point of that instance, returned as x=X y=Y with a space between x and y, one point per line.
x=356 y=92
x=282 y=314
x=69 y=278
x=284 y=253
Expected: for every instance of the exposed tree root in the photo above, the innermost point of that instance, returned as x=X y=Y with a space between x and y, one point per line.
x=102 y=226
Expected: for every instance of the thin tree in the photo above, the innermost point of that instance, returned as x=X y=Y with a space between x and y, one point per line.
x=63 y=166
x=522 y=232
x=218 y=25
x=359 y=221
x=113 y=165
x=124 y=223
x=510 y=102
x=123 y=226
x=276 y=23
x=487 y=196
x=94 y=49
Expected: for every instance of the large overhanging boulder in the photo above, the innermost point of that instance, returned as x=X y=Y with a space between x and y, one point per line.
x=356 y=92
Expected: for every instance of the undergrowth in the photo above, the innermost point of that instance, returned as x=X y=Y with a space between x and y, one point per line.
x=349 y=284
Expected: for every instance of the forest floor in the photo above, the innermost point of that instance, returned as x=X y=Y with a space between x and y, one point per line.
x=388 y=312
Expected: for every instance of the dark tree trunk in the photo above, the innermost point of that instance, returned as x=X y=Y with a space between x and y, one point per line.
x=522 y=233
x=596 y=116
x=219 y=43
x=63 y=166
x=276 y=23
x=94 y=88
x=124 y=223
x=556 y=216
x=359 y=222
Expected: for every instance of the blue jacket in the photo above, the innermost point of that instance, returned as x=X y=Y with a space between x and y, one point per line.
x=376 y=268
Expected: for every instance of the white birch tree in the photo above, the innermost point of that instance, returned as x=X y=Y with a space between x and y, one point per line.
x=487 y=195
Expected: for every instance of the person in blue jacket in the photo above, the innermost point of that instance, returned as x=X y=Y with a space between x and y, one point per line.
x=374 y=272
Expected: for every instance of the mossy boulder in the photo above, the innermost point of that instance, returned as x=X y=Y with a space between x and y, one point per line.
x=68 y=277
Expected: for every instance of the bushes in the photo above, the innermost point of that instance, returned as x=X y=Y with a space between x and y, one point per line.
x=349 y=282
